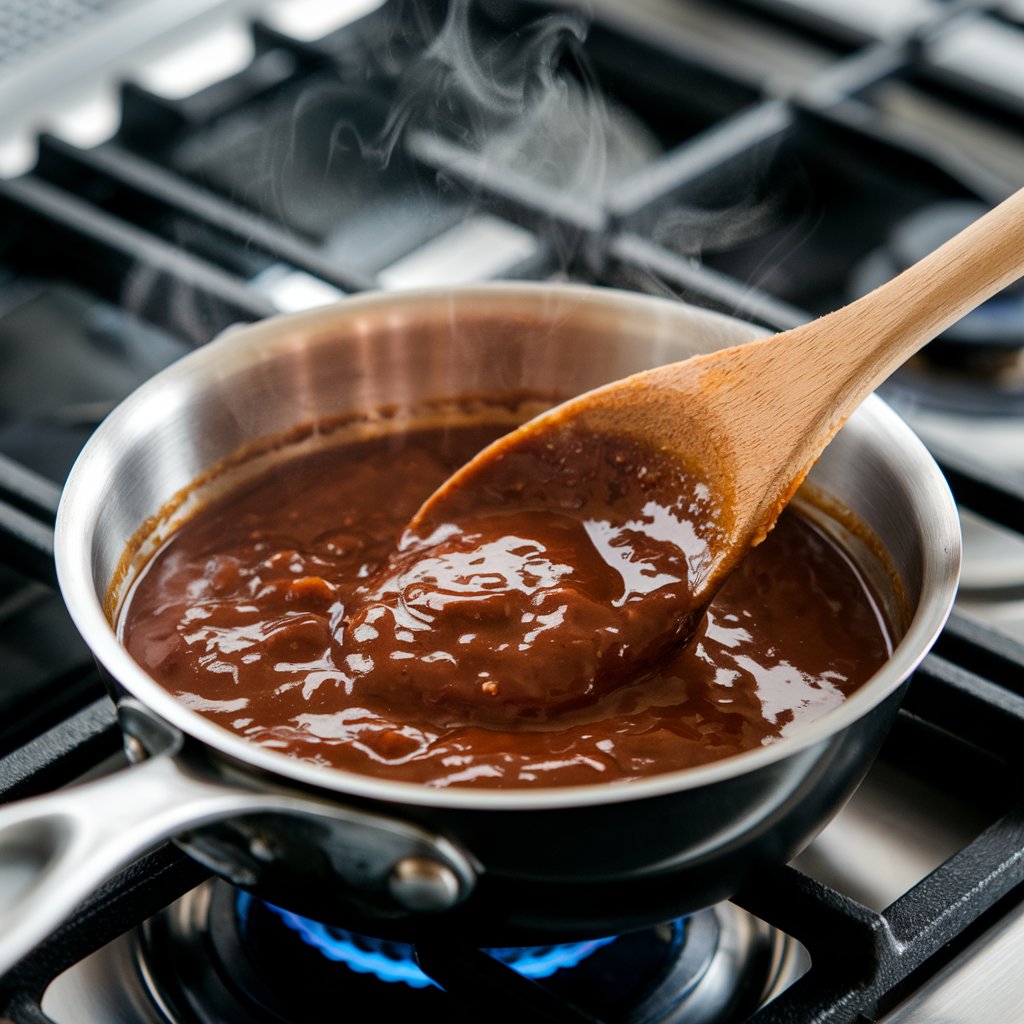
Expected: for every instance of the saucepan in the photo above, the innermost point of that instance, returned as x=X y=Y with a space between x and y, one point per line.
x=397 y=859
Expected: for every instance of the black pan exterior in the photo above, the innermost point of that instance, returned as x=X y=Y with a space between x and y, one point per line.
x=553 y=874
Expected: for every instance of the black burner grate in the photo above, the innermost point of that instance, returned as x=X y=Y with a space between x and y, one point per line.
x=165 y=224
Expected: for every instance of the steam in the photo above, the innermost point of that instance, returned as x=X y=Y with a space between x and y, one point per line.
x=522 y=103
x=745 y=219
x=692 y=230
x=446 y=109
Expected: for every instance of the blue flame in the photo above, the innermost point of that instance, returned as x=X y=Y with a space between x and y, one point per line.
x=394 y=961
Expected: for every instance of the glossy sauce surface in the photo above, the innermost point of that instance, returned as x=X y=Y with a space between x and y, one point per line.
x=504 y=653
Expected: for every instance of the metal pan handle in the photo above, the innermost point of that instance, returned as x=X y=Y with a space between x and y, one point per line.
x=57 y=849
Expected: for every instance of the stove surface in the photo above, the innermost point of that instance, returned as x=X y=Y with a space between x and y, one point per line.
x=171 y=170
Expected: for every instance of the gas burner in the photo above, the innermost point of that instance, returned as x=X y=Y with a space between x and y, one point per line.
x=396 y=961
x=220 y=956
x=976 y=367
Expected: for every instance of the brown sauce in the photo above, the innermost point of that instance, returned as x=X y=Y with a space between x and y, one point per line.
x=506 y=652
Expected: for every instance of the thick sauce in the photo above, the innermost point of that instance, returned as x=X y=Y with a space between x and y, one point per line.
x=524 y=647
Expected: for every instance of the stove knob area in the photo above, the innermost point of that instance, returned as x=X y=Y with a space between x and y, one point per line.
x=423 y=885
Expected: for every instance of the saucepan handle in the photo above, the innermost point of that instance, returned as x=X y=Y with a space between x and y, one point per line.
x=57 y=849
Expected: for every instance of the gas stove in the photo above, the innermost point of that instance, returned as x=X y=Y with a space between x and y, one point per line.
x=768 y=159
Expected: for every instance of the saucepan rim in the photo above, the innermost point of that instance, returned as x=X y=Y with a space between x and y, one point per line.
x=73 y=543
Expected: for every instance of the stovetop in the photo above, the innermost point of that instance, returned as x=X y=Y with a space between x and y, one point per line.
x=768 y=159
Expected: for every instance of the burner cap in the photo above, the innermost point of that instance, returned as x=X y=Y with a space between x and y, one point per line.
x=923 y=231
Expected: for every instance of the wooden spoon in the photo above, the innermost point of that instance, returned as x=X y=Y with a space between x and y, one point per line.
x=751 y=420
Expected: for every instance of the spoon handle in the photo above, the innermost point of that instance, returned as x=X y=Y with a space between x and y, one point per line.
x=778 y=402
x=872 y=336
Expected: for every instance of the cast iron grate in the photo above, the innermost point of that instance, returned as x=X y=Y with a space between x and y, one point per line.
x=150 y=223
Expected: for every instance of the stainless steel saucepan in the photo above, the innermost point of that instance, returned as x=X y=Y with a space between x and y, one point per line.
x=393 y=858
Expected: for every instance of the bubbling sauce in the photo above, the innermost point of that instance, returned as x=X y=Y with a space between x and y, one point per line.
x=507 y=651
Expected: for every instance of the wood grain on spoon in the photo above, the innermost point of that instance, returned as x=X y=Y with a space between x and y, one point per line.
x=751 y=420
